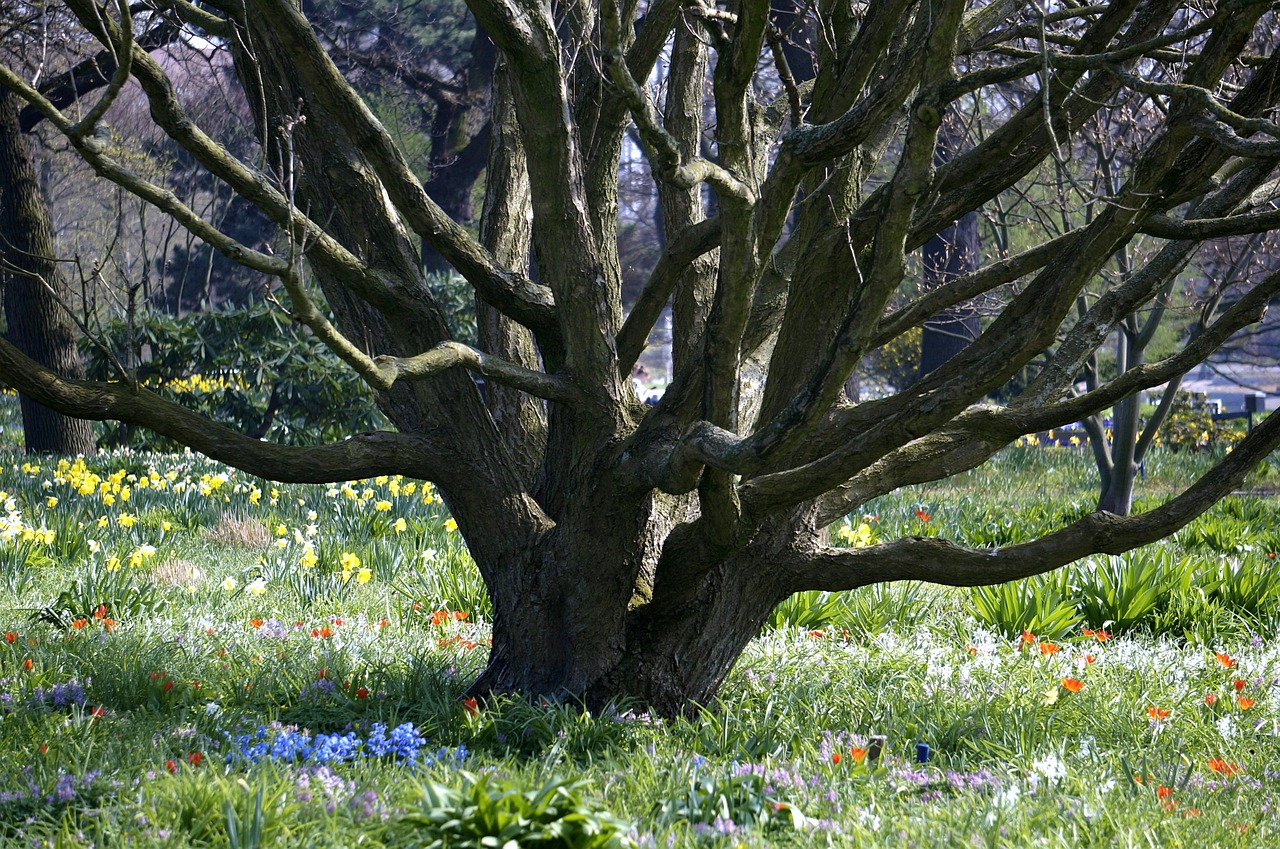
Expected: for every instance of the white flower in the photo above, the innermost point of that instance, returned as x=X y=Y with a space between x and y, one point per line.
x=257 y=587
x=1008 y=798
x=229 y=584
x=1051 y=767
x=869 y=819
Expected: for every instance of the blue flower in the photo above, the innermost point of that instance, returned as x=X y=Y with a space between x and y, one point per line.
x=291 y=744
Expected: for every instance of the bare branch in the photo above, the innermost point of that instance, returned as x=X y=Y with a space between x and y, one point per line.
x=121 y=48
x=1167 y=227
x=94 y=152
x=661 y=148
x=515 y=295
x=695 y=241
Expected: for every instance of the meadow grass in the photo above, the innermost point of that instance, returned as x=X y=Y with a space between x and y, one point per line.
x=193 y=657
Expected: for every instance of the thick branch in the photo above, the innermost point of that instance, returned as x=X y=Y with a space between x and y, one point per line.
x=361 y=456
x=660 y=147
x=513 y=294
x=1167 y=227
x=692 y=243
x=944 y=562
x=93 y=151
x=965 y=287
x=978 y=433
x=449 y=354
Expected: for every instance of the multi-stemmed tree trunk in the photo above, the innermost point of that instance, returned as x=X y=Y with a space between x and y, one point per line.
x=633 y=551
x=30 y=281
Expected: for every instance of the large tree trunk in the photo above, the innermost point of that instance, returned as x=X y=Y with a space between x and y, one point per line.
x=579 y=619
x=38 y=325
x=633 y=552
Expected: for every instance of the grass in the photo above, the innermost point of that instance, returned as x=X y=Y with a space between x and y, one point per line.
x=129 y=694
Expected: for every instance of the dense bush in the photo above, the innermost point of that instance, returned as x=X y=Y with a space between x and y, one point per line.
x=249 y=368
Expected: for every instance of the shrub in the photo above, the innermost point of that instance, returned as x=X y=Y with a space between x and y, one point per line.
x=250 y=368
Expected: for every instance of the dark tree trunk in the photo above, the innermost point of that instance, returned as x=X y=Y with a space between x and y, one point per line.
x=38 y=326
x=568 y=622
x=460 y=144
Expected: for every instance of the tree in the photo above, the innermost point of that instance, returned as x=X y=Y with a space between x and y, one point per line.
x=37 y=297
x=631 y=550
x=30 y=281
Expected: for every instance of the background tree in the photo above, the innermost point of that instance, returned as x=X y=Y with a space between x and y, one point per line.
x=32 y=284
x=951 y=253
x=633 y=551
x=30 y=281
x=427 y=70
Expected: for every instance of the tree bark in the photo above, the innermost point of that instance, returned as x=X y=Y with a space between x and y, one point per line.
x=38 y=324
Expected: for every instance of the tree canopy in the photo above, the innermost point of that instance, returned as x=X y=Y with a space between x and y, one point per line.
x=633 y=550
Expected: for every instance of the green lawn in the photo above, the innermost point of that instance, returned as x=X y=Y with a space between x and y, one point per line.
x=194 y=657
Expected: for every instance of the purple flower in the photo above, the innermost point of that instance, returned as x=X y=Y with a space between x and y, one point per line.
x=65 y=789
x=364 y=805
